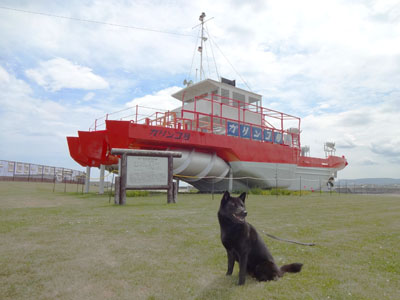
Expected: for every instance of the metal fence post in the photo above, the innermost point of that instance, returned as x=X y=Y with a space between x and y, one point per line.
x=212 y=190
x=54 y=179
x=276 y=180
x=65 y=182
x=300 y=186
x=320 y=186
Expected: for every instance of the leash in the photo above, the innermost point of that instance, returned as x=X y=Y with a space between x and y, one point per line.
x=288 y=241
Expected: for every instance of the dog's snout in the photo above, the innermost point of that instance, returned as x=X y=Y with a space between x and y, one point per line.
x=245 y=213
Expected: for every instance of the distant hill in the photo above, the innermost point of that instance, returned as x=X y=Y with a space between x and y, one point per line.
x=375 y=181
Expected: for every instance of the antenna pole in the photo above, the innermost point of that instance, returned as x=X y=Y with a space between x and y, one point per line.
x=202 y=16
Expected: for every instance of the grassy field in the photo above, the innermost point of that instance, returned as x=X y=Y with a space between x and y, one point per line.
x=56 y=245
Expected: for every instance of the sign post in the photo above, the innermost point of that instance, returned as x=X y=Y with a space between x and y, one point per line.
x=145 y=169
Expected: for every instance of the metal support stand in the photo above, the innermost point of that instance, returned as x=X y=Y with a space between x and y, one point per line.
x=101 y=183
x=230 y=180
x=87 y=180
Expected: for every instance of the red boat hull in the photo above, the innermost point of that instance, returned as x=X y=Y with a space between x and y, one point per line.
x=92 y=147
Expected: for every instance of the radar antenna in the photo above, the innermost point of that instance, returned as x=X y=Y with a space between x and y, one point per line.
x=187 y=82
x=329 y=148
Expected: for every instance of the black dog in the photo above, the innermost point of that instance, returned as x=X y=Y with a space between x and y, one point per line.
x=244 y=245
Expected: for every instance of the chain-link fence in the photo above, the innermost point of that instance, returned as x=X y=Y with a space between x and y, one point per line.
x=20 y=171
x=351 y=188
x=299 y=186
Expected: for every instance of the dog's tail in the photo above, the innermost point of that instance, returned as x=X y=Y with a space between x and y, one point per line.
x=291 y=268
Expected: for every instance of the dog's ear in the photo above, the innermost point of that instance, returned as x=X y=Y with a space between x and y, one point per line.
x=242 y=197
x=225 y=198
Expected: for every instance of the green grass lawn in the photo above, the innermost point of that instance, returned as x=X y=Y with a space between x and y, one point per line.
x=56 y=245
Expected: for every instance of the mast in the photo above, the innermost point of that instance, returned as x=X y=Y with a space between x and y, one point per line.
x=203 y=39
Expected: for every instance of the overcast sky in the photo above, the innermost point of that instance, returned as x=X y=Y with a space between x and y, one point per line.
x=335 y=64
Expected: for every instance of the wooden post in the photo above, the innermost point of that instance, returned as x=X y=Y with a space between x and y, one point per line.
x=122 y=182
x=170 y=197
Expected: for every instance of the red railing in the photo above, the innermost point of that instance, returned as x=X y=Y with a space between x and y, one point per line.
x=214 y=121
x=265 y=116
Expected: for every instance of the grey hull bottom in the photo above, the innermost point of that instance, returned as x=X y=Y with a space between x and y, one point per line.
x=248 y=175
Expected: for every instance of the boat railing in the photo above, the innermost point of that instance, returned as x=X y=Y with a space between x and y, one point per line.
x=246 y=112
x=203 y=122
x=216 y=119
x=139 y=114
x=215 y=113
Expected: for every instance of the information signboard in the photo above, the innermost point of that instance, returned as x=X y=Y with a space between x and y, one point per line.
x=146 y=171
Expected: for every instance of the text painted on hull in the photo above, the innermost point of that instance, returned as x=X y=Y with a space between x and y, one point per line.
x=176 y=135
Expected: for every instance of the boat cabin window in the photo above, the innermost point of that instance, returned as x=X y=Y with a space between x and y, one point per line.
x=225 y=96
x=239 y=97
x=252 y=100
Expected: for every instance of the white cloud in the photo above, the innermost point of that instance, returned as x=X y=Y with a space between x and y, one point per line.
x=35 y=129
x=4 y=77
x=333 y=63
x=89 y=96
x=161 y=100
x=370 y=144
x=59 y=73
